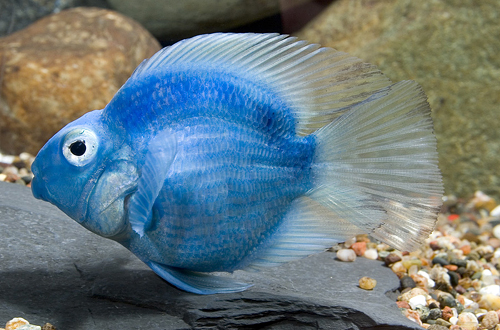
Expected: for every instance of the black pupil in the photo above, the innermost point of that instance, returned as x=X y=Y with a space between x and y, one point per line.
x=78 y=148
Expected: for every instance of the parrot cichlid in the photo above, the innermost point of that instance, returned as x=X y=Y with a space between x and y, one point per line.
x=243 y=151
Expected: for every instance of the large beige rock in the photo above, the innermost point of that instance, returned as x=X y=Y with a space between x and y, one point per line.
x=61 y=67
x=177 y=19
x=451 y=47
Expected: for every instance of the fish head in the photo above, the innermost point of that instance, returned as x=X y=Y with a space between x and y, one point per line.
x=89 y=174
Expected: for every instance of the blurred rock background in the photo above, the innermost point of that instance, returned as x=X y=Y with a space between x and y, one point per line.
x=452 y=48
x=74 y=61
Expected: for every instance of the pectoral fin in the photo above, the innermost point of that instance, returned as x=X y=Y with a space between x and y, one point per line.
x=161 y=153
x=195 y=282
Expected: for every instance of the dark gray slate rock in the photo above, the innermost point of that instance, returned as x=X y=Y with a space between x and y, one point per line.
x=53 y=270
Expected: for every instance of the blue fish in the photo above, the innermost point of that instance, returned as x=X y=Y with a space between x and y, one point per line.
x=243 y=151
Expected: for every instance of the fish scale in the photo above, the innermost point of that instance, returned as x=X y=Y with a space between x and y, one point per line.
x=235 y=186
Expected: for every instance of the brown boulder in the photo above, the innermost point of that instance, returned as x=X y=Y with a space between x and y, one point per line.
x=61 y=67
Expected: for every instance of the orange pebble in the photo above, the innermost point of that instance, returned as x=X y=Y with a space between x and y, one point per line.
x=447 y=313
x=403 y=304
x=465 y=249
x=359 y=248
x=451 y=267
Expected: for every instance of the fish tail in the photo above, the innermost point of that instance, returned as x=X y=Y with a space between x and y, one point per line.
x=375 y=169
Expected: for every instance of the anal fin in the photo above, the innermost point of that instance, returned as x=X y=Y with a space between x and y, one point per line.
x=195 y=282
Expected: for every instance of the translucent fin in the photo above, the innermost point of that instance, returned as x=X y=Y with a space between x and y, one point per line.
x=310 y=227
x=383 y=154
x=195 y=282
x=317 y=83
x=161 y=153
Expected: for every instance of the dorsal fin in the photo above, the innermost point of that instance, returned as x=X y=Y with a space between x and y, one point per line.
x=317 y=83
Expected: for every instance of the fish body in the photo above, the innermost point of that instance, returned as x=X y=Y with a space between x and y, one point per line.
x=243 y=151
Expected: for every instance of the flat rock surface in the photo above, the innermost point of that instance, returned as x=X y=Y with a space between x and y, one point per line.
x=53 y=270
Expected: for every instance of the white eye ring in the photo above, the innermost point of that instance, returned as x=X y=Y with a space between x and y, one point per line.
x=80 y=146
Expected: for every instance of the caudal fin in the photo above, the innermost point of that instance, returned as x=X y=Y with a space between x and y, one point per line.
x=376 y=168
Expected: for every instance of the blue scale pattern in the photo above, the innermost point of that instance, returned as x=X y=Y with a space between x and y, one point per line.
x=238 y=166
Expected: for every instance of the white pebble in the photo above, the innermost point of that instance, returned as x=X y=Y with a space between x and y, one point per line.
x=486 y=272
x=467 y=318
x=417 y=300
x=346 y=255
x=10 y=170
x=496 y=231
x=371 y=254
x=453 y=320
x=430 y=283
x=24 y=156
x=467 y=302
x=6 y=159
x=424 y=274
x=495 y=212
x=491 y=289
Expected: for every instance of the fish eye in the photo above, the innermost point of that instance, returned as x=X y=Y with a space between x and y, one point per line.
x=80 y=146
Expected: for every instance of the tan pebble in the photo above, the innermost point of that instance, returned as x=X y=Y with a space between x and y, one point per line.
x=367 y=283
x=494 y=242
x=398 y=267
x=15 y=323
x=420 y=280
x=371 y=254
x=382 y=247
x=465 y=282
x=359 y=248
x=48 y=326
x=413 y=270
x=10 y=170
x=346 y=255
x=350 y=242
x=425 y=262
x=413 y=316
x=476 y=284
x=490 y=320
x=412 y=293
x=412 y=262
x=483 y=201
x=466 y=318
x=462 y=327
x=362 y=238
x=3 y=177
